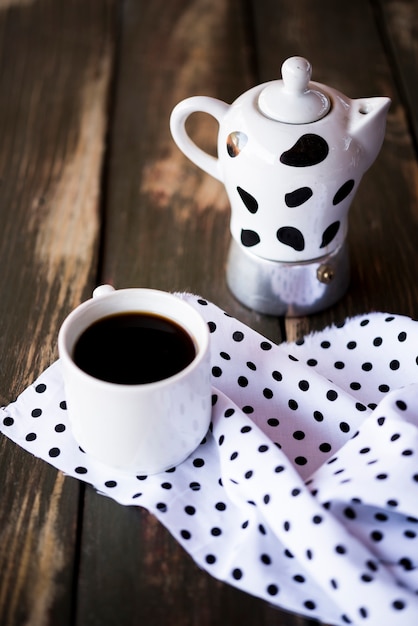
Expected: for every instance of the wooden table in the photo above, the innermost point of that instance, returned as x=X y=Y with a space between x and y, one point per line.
x=94 y=190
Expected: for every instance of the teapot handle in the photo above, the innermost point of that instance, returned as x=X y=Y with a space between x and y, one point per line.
x=205 y=104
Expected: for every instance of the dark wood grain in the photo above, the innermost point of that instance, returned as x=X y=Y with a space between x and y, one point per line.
x=399 y=22
x=55 y=65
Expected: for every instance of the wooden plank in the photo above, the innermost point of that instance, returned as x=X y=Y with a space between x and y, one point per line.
x=347 y=52
x=55 y=64
x=399 y=19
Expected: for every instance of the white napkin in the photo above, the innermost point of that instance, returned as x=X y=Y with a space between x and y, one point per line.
x=305 y=490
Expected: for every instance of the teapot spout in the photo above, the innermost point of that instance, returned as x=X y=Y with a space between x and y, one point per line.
x=367 y=125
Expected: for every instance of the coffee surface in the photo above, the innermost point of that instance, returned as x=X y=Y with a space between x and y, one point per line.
x=133 y=348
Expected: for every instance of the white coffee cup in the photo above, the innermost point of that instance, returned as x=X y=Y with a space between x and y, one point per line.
x=147 y=427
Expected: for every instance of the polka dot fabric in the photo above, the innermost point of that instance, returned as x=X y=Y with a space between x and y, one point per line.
x=305 y=490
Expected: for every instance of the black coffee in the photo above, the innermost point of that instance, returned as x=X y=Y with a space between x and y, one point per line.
x=133 y=348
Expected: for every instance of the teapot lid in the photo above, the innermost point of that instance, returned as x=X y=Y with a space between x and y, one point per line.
x=292 y=100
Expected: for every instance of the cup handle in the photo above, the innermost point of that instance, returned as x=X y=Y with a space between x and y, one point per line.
x=102 y=290
x=205 y=104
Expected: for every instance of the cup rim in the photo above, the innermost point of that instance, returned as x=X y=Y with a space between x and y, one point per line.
x=93 y=304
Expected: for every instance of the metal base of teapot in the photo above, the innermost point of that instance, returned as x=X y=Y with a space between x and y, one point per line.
x=292 y=289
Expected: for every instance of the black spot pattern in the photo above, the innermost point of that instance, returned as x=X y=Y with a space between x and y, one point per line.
x=249 y=238
x=315 y=542
x=329 y=234
x=298 y=196
x=249 y=200
x=292 y=237
x=343 y=192
x=309 y=150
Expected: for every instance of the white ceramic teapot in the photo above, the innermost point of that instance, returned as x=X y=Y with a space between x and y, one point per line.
x=291 y=154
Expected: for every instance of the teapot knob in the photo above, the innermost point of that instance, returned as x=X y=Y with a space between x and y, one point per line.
x=293 y=100
x=296 y=74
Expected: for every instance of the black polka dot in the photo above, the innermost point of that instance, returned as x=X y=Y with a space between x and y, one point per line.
x=299 y=578
x=291 y=236
x=273 y=421
x=237 y=573
x=54 y=452
x=332 y=395
x=309 y=604
x=111 y=483
x=398 y=605
x=210 y=559
x=80 y=470
x=310 y=149
x=238 y=335
x=40 y=388
x=376 y=535
x=343 y=191
x=329 y=234
x=298 y=196
x=249 y=238
x=299 y=435
x=36 y=412
x=186 y=534
x=31 y=437
x=189 y=510
x=272 y=590
x=249 y=201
